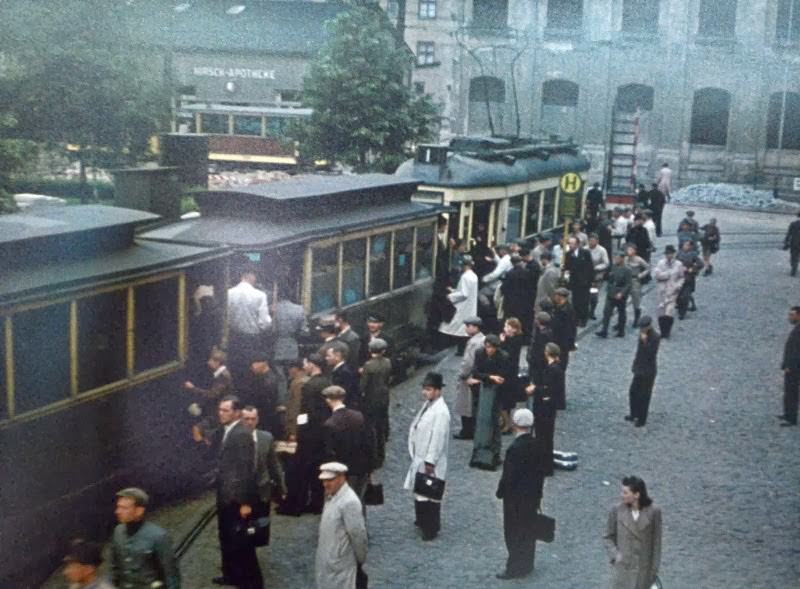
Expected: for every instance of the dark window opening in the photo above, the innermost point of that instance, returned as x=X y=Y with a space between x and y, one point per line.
x=419 y=88
x=710 y=111
x=102 y=350
x=560 y=93
x=486 y=88
x=246 y=125
x=490 y=14
x=403 y=251
x=290 y=95
x=640 y=16
x=379 y=248
x=277 y=126
x=783 y=120
x=564 y=15
x=324 y=278
x=634 y=97
x=717 y=18
x=392 y=9
x=787 y=25
x=424 y=251
x=354 y=254
x=532 y=217
x=41 y=357
x=156 y=325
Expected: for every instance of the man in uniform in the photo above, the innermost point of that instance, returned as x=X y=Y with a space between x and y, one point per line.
x=618 y=288
x=141 y=551
x=520 y=489
x=791 y=370
x=81 y=564
x=374 y=387
x=792 y=243
x=375 y=323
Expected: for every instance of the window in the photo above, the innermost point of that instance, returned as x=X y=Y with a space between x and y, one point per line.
x=787 y=25
x=41 y=357
x=514 y=218
x=710 y=111
x=214 y=123
x=633 y=97
x=379 y=247
x=560 y=93
x=549 y=209
x=156 y=324
x=276 y=126
x=403 y=250
x=490 y=14
x=102 y=343
x=640 y=16
x=564 y=15
x=559 y=107
x=3 y=395
x=717 y=18
x=392 y=9
x=354 y=253
x=487 y=88
x=425 y=236
x=427 y=9
x=244 y=125
x=419 y=88
x=425 y=54
x=787 y=111
x=324 y=278
x=532 y=213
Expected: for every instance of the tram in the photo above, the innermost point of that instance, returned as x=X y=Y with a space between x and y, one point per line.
x=501 y=188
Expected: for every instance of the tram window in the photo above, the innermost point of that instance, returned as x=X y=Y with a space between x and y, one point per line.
x=156 y=324
x=243 y=125
x=424 y=251
x=215 y=124
x=514 y=219
x=276 y=126
x=324 y=278
x=532 y=214
x=353 y=270
x=403 y=248
x=41 y=357
x=549 y=209
x=102 y=354
x=3 y=398
x=564 y=15
x=379 y=263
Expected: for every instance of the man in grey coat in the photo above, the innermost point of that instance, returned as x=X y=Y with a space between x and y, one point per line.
x=464 y=405
x=342 y=546
x=288 y=323
x=548 y=281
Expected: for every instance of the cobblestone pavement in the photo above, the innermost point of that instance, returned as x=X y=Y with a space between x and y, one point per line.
x=726 y=476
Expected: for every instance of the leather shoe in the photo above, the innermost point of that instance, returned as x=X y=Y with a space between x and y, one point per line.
x=638 y=423
x=783 y=417
x=601 y=334
x=619 y=334
x=629 y=418
x=223 y=581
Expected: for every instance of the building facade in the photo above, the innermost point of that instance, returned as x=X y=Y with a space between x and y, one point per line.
x=711 y=87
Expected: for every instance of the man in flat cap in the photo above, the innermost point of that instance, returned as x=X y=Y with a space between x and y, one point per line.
x=342 y=545
x=350 y=337
x=669 y=276
x=428 y=443
x=520 y=489
x=644 y=372
x=542 y=335
x=620 y=280
x=374 y=386
x=375 y=324
x=141 y=551
x=81 y=564
x=465 y=393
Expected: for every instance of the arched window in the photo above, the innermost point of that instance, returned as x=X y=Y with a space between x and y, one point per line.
x=633 y=97
x=564 y=15
x=783 y=120
x=490 y=14
x=559 y=107
x=485 y=88
x=717 y=18
x=640 y=16
x=710 y=112
x=787 y=25
x=560 y=93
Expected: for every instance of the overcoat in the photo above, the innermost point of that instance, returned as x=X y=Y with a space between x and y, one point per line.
x=428 y=441
x=634 y=547
x=288 y=324
x=465 y=300
x=463 y=404
x=669 y=280
x=548 y=283
x=342 y=541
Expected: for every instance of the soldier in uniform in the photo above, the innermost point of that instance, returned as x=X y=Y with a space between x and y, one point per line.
x=563 y=324
x=141 y=551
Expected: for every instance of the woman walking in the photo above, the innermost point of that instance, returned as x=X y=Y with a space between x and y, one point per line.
x=633 y=538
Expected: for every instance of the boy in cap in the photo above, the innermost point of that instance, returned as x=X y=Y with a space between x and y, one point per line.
x=81 y=564
x=375 y=323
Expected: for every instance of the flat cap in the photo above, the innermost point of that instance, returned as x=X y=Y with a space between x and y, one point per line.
x=331 y=470
x=516 y=258
x=473 y=321
x=375 y=318
x=522 y=418
x=670 y=249
x=326 y=326
x=467 y=259
x=543 y=317
x=139 y=496
x=492 y=340
x=377 y=345
x=553 y=349
x=564 y=292
x=334 y=392
x=645 y=321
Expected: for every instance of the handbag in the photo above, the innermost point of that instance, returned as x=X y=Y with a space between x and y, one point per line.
x=544 y=528
x=373 y=495
x=253 y=531
x=428 y=486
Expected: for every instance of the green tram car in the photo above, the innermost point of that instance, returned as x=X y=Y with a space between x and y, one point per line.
x=99 y=328
x=501 y=188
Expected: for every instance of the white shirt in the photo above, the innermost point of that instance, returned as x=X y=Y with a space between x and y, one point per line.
x=248 y=312
x=503 y=265
x=635 y=514
x=621 y=226
x=651 y=230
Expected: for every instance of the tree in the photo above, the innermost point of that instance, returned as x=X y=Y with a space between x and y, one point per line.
x=364 y=112
x=14 y=153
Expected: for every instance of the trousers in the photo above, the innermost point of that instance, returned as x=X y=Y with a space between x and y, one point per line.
x=791 y=395
x=580 y=302
x=608 y=311
x=518 y=530
x=544 y=428
x=639 y=394
x=428 y=517
x=239 y=560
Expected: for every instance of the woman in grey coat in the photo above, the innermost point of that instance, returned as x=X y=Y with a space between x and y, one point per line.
x=633 y=538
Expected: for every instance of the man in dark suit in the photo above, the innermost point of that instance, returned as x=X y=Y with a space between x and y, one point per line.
x=347 y=439
x=791 y=370
x=564 y=324
x=236 y=496
x=519 y=293
x=657 y=202
x=267 y=392
x=520 y=488
x=349 y=337
x=644 y=372
x=341 y=373
x=268 y=471
x=578 y=262
x=639 y=236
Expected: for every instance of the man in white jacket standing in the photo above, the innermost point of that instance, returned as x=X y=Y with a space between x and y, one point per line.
x=465 y=299
x=428 y=441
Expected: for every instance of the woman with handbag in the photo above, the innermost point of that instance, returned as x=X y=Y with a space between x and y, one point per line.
x=633 y=538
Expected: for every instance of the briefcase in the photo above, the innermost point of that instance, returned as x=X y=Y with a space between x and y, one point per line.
x=428 y=486
x=253 y=531
x=544 y=528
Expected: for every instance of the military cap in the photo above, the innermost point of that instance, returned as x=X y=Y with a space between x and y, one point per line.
x=522 y=418
x=473 y=321
x=375 y=318
x=620 y=253
x=564 y=292
x=334 y=392
x=543 y=317
x=433 y=380
x=645 y=321
x=492 y=340
x=331 y=470
x=328 y=326
x=83 y=552
x=377 y=345
x=140 y=497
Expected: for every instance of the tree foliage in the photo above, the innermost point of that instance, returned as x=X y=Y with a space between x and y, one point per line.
x=364 y=112
x=14 y=155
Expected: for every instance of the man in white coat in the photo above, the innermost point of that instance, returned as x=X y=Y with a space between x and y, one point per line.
x=465 y=300
x=664 y=180
x=464 y=399
x=428 y=441
x=669 y=280
x=342 y=547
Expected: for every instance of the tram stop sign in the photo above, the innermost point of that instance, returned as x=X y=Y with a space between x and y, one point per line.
x=570 y=183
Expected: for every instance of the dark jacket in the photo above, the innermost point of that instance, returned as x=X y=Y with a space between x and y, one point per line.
x=550 y=394
x=620 y=280
x=792 y=240
x=312 y=404
x=519 y=293
x=484 y=366
x=345 y=377
x=236 y=468
x=594 y=198
x=638 y=235
x=536 y=360
x=353 y=342
x=269 y=473
x=564 y=327
x=143 y=558
x=523 y=473
x=375 y=386
x=347 y=440
x=605 y=236
x=644 y=363
x=791 y=351
x=657 y=200
x=581 y=268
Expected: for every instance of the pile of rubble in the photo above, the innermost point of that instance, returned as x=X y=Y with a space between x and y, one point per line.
x=733 y=196
x=244 y=178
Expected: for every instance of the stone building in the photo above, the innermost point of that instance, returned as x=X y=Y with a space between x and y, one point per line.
x=715 y=82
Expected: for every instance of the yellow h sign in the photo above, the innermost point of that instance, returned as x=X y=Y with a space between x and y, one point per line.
x=570 y=183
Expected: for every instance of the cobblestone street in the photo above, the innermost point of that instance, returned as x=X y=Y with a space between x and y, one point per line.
x=726 y=476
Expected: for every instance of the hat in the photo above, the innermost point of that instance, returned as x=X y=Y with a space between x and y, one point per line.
x=377 y=345
x=522 y=418
x=334 y=392
x=553 y=349
x=473 y=321
x=690 y=213
x=326 y=326
x=564 y=292
x=83 y=552
x=259 y=356
x=620 y=253
x=546 y=237
x=543 y=317
x=140 y=498
x=434 y=380
x=331 y=470
x=492 y=340
x=516 y=258
x=375 y=318
x=645 y=321
x=670 y=249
